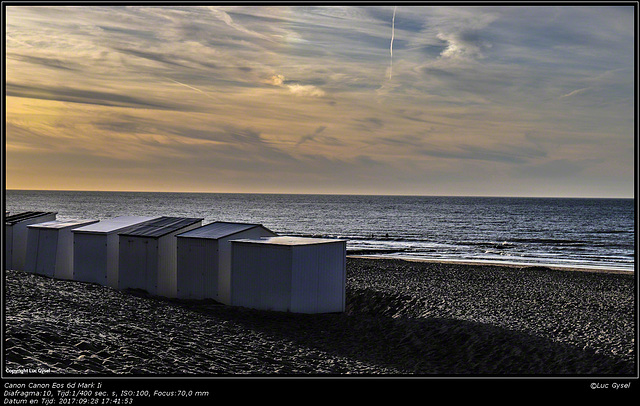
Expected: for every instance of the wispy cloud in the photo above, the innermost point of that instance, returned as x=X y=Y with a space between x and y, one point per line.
x=87 y=96
x=477 y=93
x=573 y=93
x=224 y=16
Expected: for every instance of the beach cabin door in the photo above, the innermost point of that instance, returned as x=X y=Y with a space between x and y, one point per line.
x=195 y=256
x=46 y=252
x=140 y=270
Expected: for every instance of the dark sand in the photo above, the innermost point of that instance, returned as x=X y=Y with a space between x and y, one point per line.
x=402 y=319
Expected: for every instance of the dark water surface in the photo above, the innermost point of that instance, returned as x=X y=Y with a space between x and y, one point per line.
x=594 y=233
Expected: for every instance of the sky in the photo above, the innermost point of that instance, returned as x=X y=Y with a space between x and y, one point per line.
x=520 y=100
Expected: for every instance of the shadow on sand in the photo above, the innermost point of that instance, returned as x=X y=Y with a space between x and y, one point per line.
x=419 y=346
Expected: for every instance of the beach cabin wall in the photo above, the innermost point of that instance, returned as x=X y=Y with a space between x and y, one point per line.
x=147 y=257
x=15 y=242
x=50 y=247
x=204 y=259
x=293 y=274
x=96 y=249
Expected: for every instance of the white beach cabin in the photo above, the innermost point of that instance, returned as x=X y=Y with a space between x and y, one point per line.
x=96 y=249
x=204 y=259
x=15 y=242
x=292 y=274
x=50 y=247
x=147 y=257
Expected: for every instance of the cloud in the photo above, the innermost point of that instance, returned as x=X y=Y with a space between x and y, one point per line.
x=310 y=137
x=573 y=93
x=224 y=16
x=463 y=45
x=159 y=57
x=305 y=90
x=55 y=63
x=456 y=33
x=86 y=96
x=275 y=80
x=370 y=124
x=295 y=88
x=318 y=137
x=556 y=168
x=510 y=154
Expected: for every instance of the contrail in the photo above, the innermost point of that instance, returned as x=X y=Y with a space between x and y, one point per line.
x=393 y=27
x=191 y=87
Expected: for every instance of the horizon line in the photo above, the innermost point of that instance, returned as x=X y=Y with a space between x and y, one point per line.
x=329 y=194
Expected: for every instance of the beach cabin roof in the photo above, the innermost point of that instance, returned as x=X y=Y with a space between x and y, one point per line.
x=111 y=225
x=160 y=226
x=220 y=229
x=60 y=224
x=288 y=240
x=16 y=218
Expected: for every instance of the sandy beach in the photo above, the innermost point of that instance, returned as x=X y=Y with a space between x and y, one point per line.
x=402 y=318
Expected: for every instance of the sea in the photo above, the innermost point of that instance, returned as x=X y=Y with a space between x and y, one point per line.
x=552 y=232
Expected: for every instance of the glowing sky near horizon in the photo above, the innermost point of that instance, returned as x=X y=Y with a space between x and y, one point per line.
x=499 y=101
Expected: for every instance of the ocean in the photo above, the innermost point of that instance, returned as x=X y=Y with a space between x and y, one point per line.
x=559 y=232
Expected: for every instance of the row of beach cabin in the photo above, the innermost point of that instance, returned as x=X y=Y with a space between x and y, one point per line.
x=237 y=264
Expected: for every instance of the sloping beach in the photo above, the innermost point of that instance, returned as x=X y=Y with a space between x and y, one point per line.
x=402 y=319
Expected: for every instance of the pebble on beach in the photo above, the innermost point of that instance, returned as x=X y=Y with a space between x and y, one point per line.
x=402 y=318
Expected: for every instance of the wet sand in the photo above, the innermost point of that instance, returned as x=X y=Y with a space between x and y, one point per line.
x=402 y=318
